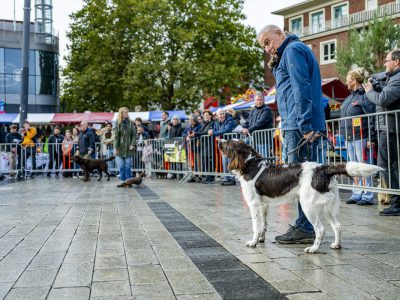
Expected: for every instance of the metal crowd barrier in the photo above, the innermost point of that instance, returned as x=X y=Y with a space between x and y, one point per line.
x=199 y=157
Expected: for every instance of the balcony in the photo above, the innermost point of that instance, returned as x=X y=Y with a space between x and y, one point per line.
x=9 y=30
x=356 y=18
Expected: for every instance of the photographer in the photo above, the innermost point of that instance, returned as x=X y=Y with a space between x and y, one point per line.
x=388 y=100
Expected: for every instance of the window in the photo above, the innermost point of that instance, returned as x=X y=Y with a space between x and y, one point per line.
x=340 y=15
x=13 y=61
x=317 y=20
x=296 y=25
x=328 y=52
x=1 y=60
x=371 y=4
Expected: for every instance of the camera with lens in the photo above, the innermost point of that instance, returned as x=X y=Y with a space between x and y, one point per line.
x=378 y=81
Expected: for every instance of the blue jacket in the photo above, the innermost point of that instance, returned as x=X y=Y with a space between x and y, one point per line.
x=259 y=118
x=225 y=127
x=190 y=128
x=298 y=87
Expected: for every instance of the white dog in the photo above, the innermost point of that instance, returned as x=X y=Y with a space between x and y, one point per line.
x=311 y=182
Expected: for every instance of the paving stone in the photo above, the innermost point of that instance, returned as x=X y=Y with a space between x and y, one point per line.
x=272 y=272
x=76 y=293
x=9 y=272
x=74 y=275
x=110 y=262
x=146 y=274
x=294 y=286
x=309 y=296
x=34 y=278
x=5 y=287
x=47 y=260
x=29 y=293
x=141 y=257
x=188 y=282
x=295 y=263
x=152 y=292
x=333 y=286
x=113 y=288
x=365 y=282
x=199 y=297
x=110 y=275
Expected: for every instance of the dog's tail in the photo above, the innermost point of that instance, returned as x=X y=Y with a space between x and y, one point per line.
x=353 y=169
x=110 y=158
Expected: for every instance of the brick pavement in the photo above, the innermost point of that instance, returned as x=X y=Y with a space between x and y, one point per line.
x=63 y=239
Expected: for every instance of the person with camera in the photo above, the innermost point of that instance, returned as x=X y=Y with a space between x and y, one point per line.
x=388 y=99
x=356 y=136
x=28 y=134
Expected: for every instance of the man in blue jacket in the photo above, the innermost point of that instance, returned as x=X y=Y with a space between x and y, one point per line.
x=259 y=118
x=299 y=98
x=225 y=124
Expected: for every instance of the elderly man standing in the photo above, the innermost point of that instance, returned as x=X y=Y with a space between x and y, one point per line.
x=86 y=141
x=224 y=124
x=259 y=118
x=389 y=100
x=299 y=98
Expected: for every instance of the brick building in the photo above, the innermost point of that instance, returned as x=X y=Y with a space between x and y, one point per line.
x=323 y=24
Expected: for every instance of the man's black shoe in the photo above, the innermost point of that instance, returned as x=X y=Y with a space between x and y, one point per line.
x=390 y=211
x=32 y=175
x=120 y=185
x=19 y=177
x=350 y=201
x=295 y=236
x=363 y=202
x=226 y=183
x=48 y=175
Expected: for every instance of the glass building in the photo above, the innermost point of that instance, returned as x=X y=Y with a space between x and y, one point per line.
x=43 y=69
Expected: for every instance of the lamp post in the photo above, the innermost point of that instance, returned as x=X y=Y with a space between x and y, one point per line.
x=23 y=108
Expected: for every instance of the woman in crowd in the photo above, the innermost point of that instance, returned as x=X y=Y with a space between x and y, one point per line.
x=357 y=130
x=124 y=144
x=67 y=150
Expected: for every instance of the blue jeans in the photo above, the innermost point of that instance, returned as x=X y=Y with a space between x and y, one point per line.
x=225 y=162
x=292 y=138
x=124 y=165
x=355 y=153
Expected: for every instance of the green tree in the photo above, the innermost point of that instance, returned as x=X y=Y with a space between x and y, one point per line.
x=367 y=46
x=165 y=54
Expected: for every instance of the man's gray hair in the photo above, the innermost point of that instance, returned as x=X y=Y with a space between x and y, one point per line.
x=395 y=54
x=268 y=28
x=259 y=94
x=220 y=111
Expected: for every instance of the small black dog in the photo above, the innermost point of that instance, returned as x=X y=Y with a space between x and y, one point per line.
x=134 y=180
x=89 y=165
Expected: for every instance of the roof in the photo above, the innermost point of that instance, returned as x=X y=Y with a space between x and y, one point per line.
x=298 y=7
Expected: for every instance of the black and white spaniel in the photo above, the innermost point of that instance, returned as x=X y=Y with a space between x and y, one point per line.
x=313 y=184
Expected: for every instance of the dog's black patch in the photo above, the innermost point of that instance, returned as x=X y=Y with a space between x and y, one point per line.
x=323 y=174
x=275 y=181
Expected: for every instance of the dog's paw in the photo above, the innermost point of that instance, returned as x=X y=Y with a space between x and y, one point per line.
x=311 y=249
x=336 y=246
x=261 y=239
x=251 y=244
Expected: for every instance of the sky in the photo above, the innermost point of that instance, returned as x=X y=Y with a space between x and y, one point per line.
x=258 y=14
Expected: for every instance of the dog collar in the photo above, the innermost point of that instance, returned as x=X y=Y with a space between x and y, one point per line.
x=250 y=157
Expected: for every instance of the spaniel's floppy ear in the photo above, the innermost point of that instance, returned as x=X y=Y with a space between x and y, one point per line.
x=236 y=156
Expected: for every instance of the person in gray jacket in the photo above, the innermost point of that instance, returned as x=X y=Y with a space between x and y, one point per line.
x=388 y=100
x=164 y=125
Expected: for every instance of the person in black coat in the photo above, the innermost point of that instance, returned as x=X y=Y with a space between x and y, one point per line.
x=14 y=139
x=175 y=128
x=259 y=118
x=205 y=146
x=55 y=150
x=357 y=133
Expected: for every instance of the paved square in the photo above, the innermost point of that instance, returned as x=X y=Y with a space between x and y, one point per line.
x=65 y=239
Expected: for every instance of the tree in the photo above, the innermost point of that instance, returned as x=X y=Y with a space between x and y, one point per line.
x=166 y=54
x=367 y=47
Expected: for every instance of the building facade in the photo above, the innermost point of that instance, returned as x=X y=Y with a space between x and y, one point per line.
x=43 y=68
x=323 y=24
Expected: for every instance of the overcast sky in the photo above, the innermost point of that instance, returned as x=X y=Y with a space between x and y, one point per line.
x=257 y=12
